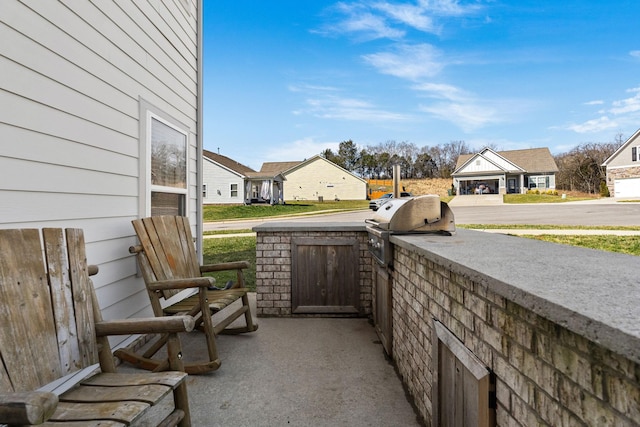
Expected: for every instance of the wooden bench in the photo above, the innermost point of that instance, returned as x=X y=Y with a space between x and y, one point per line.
x=57 y=366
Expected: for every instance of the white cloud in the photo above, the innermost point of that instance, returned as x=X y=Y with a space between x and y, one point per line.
x=372 y=25
x=595 y=125
x=468 y=116
x=300 y=149
x=442 y=91
x=596 y=102
x=449 y=7
x=635 y=53
x=410 y=15
x=311 y=88
x=384 y=19
x=342 y=108
x=624 y=111
x=627 y=105
x=412 y=62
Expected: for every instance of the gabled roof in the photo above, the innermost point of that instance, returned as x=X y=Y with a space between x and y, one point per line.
x=279 y=167
x=531 y=160
x=285 y=167
x=622 y=148
x=228 y=163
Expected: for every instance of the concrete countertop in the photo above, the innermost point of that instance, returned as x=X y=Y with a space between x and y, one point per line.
x=271 y=227
x=592 y=293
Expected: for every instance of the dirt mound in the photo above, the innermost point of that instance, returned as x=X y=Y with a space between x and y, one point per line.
x=419 y=187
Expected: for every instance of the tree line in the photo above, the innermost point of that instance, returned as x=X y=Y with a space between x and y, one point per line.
x=580 y=169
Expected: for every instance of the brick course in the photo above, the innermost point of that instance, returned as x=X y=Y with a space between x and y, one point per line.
x=546 y=374
x=273 y=269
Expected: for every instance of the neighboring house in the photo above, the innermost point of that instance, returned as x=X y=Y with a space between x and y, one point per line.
x=100 y=124
x=623 y=169
x=317 y=178
x=226 y=181
x=501 y=172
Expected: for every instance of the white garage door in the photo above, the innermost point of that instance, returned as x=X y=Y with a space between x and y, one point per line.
x=629 y=187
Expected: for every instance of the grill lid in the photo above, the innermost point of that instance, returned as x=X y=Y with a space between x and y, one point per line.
x=415 y=214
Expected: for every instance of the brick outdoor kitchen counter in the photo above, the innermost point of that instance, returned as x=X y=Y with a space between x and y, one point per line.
x=557 y=326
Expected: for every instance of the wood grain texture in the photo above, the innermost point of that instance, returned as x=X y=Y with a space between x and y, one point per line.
x=48 y=313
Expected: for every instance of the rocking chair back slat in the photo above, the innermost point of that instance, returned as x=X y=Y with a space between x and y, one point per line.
x=170 y=265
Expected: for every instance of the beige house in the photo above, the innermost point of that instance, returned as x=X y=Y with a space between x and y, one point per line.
x=623 y=169
x=317 y=179
x=502 y=172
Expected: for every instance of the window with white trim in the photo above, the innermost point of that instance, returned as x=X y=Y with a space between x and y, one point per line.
x=634 y=154
x=234 y=190
x=168 y=167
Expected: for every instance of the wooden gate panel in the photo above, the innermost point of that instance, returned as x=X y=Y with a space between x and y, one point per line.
x=325 y=276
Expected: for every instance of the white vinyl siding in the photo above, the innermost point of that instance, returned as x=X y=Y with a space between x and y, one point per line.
x=74 y=76
x=220 y=183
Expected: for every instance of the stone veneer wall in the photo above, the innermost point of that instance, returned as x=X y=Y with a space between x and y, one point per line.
x=620 y=173
x=545 y=373
x=273 y=268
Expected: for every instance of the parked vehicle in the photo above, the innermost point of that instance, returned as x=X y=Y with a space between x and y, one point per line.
x=376 y=203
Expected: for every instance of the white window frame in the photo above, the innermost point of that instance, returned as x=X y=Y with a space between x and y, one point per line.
x=147 y=113
x=231 y=190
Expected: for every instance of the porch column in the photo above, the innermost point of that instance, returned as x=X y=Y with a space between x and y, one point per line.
x=522 y=189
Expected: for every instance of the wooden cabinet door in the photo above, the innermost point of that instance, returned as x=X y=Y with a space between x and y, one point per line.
x=325 y=276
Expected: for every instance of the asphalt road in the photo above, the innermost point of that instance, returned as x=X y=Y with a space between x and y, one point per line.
x=572 y=213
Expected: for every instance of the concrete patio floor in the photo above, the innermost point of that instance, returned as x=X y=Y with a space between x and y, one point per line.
x=298 y=372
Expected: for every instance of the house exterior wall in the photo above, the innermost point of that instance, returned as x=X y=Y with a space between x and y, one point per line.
x=481 y=164
x=623 y=158
x=77 y=79
x=501 y=161
x=321 y=178
x=218 y=180
x=622 y=166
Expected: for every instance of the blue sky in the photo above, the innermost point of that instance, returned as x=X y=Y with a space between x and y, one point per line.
x=286 y=79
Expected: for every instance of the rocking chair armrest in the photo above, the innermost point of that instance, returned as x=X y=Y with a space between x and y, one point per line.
x=33 y=407
x=193 y=282
x=234 y=265
x=149 y=325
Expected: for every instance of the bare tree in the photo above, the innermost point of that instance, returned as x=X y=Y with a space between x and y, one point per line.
x=580 y=169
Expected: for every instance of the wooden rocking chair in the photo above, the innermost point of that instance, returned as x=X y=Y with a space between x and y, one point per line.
x=169 y=264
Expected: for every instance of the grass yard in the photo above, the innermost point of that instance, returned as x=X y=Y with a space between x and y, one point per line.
x=226 y=249
x=546 y=198
x=225 y=212
x=623 y=244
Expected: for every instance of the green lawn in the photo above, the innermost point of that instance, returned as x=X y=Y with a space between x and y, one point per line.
x=226 y=212
x=541 y=198
x=622 y=244
x=228 y=249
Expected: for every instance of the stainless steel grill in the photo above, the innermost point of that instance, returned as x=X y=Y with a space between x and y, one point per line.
x=421 y=214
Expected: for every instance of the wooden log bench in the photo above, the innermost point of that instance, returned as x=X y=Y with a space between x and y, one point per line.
x=57 y=366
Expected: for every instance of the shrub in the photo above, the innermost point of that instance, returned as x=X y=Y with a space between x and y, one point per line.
x=604 y=190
